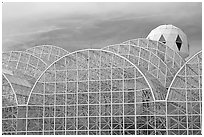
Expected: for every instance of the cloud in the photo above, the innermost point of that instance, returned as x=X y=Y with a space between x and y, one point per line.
x=76 y=26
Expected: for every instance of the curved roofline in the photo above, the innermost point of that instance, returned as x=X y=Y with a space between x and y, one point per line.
x=145 y=73
x=47 y=45
x=165 y=25
x=155 y=41
x=11 y=88
x=89 y=50
x=26 y=53
x=129 y=54
x=168 y=26
x=144 y=59
x=179 y=71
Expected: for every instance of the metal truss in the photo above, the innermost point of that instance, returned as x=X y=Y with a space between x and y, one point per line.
x=184 y=98
x=101 y=92
x=48 y=53
x=170 y=57
x=22 y=70
x=153 y=67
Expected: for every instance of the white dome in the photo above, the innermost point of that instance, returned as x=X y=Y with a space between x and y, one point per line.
x=173 y=37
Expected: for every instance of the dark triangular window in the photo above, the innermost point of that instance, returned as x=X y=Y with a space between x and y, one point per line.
x=178 y=39
x=162 y=39
x=178 y=42
x=178 y=45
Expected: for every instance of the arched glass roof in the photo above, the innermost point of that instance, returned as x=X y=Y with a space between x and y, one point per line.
x=171 y=58
x=144 y=58
x=118 y=90
x=48 y=53
x=184 y=98
x=152 y=66
x=189 y=76
x=22 y=69
x=87 y=92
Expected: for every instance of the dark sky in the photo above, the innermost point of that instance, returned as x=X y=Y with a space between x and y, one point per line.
x=74 y=26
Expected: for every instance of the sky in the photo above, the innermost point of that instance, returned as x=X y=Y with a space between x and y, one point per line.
x=75 y=26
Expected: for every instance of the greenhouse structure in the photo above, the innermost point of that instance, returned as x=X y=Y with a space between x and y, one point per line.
x=138 y=87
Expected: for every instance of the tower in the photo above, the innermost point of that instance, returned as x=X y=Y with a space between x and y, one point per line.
x=173 y=37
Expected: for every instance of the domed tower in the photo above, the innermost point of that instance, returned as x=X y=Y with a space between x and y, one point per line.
x=173 y=37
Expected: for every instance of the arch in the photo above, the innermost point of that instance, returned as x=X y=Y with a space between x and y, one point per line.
x=90 y=85
x=48 y=53
x=22 y=69
x=171 y=58
x=146 y=59
x=127 y=54
x=143 y=60
x=182 y=70
x=184 y=96
x=23 y=57
x=50 y=66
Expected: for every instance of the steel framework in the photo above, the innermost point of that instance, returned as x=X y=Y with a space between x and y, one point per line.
x=171 y=58
x=184 y=98
x=48 y=53
x=22 y=70
x=122 y=89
